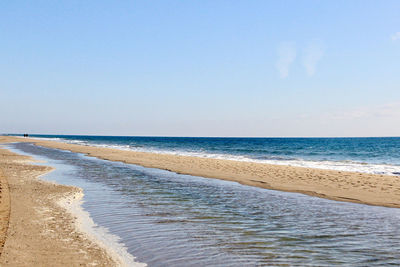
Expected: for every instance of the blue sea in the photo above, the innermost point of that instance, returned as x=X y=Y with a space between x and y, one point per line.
x=162 y=218
x=379 y=155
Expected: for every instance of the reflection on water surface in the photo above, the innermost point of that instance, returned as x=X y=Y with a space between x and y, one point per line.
x=167 y=219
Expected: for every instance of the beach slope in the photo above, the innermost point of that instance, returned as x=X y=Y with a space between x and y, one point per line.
x=34 y=229
x=372 y=189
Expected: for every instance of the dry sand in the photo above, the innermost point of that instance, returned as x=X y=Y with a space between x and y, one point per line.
x=381 y=190
x=37 y=231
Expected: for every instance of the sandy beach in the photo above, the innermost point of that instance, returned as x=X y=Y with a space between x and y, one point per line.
x=381 y=190
x=196 y=133
x=34 y=229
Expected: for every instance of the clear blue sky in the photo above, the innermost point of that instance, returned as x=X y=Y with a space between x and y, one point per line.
x=200 y=68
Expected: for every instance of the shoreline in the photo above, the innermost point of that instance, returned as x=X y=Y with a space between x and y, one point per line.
x=72 y=203
x=326 y=164
x=364 y=188
x=43 y=229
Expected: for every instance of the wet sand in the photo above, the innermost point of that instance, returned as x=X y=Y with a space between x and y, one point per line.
x=372 y=189
x=34 y=229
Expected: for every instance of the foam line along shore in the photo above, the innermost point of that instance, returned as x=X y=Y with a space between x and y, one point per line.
x=42 y=227
x=372 y=189
x=376 y=155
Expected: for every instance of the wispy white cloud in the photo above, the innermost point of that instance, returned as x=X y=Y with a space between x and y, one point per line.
x=395 y=36
x=312 y=55
x=372 y=113
x=286 y=56
x=389 y=110
x=368 y=120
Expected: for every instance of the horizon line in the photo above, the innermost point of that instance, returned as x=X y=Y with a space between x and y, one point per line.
x=178 y=136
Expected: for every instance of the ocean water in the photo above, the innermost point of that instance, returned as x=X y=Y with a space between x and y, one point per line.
x=167 y=219
x=370 y=155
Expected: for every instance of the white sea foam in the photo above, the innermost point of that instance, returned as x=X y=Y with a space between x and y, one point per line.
x=99 y=235
x=323 y=164
x=326 y=165
x=85 y=224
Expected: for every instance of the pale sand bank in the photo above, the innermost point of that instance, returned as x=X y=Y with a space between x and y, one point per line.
x=41 y=232
x=381 y=190
x=4 y=207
